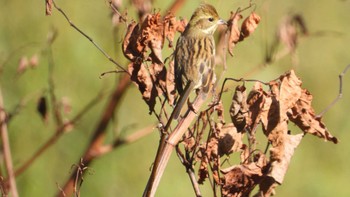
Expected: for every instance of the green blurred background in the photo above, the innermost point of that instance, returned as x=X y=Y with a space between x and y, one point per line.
x=318 y=168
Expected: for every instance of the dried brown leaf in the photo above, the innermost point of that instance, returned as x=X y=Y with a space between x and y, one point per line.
x=152 y=36
x=170 y=83
x=131 y=47
x=239 y=108
x=281 y=154
x=249 y=25
x=229 y=140
x=219 y=108
x=136 y=45
x=171 y=26
x=240 y=180
x=48 y=5
x=289 y=93
x=141 y=77
x=233 y=31
x=203 y=172
x=303 y=115
x=209 y=154
x=255 y=101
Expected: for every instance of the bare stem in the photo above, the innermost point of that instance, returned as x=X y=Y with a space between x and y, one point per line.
x=7 y=150
x=190 y=172
x=340 y=94
x=167 y=144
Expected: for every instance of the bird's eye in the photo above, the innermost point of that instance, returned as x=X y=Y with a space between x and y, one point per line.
x=211 y=19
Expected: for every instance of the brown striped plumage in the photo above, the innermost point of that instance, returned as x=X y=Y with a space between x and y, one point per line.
x=195 y=53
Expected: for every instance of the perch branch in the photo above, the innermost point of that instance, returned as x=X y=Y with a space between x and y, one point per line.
x=167 y=144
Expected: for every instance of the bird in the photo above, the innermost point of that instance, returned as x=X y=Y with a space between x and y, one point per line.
x=194 y=55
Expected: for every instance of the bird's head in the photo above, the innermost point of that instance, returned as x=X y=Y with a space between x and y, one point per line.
x=205 y=20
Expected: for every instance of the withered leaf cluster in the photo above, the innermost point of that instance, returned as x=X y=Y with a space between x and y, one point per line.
x=143 y=46
x=274 y=109
x=236 y=34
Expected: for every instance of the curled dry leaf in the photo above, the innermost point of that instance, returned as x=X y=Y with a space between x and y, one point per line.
x=303 y=115
x=233 y=31
x=140 y=76
x=240 y=180
x=48 y=10
x=131 y=47
x=239 y=108
x=249 y=25
x=229 y=140
x=209 y=153
x=145 y=43
x=281 y=154
x=255 y=101
x=286 y=101
x=152 y=36
x=219 y=108
x=171 y=26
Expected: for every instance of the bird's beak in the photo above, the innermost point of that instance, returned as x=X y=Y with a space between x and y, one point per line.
x=222 y=22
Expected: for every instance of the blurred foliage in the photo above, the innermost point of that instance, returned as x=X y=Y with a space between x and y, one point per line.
x=317 y=169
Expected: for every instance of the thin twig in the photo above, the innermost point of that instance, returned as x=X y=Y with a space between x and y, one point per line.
x=340 y=94
x=238 y=80
x=190 y=171
x=56 y=111
x=127 y=140
x=89 y=38
x=114 y=8
x=6 y=149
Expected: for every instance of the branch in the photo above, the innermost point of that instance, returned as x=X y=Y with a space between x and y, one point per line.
x=128 y=140
x=56 y=110
x=167 y=144
x=6 y=148
x=340 y=92
x=190 y=172
x=89 y=38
